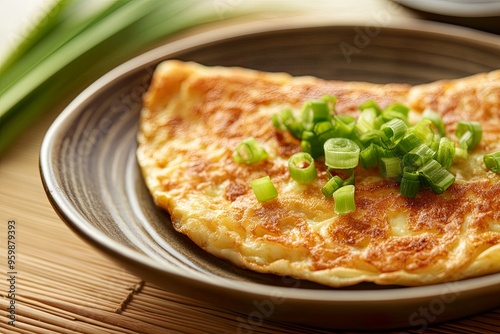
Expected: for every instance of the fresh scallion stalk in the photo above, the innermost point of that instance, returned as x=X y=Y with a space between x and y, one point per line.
x=70 y=47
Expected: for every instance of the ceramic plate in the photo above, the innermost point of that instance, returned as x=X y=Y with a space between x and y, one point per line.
x=92 y=179
x=459 y=8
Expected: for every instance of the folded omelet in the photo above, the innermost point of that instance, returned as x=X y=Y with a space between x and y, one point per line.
x=193 y=118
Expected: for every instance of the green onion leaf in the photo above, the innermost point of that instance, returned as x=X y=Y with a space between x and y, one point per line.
x=492 y=161
x=341 y=153
x=469 y=133
x=249 y=151
x=344 y=200
x=302 y=168
x=264 y=189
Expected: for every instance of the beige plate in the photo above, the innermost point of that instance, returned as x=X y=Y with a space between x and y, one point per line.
x=91 y=176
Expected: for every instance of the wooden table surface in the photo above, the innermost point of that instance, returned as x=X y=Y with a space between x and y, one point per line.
x=62 y=285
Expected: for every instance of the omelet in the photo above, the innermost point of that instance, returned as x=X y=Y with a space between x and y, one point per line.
x=194 y=116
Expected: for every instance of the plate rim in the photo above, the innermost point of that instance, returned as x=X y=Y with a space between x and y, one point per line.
x=109 y=246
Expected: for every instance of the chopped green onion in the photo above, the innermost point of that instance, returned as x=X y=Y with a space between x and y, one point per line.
x=341 y=153
x=408 y=143
x=460 y=154
x=396 y=110
x=314 y=112
x=285 y=120
x=424 y=130
x=370 y=104
x=446 y=152
x=410 y=183
x=436 y=176
x=324 y=130
x=344 y=125
x=436 y=120
x=310 y=144
x=249 y=151
x=492 y=161
x=332 y=185
x=390 y=167
x=302 y=168
x=366 y=121
x=469 y=133
x=418 y=156
x=368 y=157
x=264 y=189
x=344 y=200
x=393 y=131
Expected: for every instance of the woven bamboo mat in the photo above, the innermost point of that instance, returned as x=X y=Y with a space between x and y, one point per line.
x=63 y=285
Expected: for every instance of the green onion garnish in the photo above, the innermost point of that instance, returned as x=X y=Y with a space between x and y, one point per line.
x=264 y=189
x=393 y=131
x=436 y=176
x=446 y=152
x=341 y=153
x=332 y=185
x=368 y=157
x=469 y=133
x=436 y=120
x=302 y=168
x=410 y=183
x=492 y=161
x=390 y=167
x=249 y=152
x=418 y=156
x=344 y=200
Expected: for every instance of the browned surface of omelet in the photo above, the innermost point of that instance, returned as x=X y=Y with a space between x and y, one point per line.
x=193 y=118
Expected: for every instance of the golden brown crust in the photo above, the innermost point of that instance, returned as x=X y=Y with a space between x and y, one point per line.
x=193 y=118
